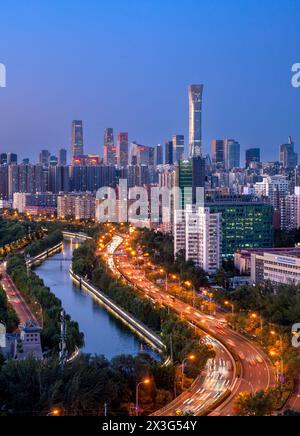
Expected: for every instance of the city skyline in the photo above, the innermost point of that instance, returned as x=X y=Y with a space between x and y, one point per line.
x=246 y=108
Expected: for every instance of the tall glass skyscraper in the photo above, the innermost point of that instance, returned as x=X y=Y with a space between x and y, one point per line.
x=77 y=139
x=252 y=155
x=122 y=150
x=232 y=154
x=195 y=127
x=178 y=148
x=62 y=157
x=110 y=151
x=288 y=157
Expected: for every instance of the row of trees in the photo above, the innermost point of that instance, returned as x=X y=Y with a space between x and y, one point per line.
x=38 y=247
x=7 y=315
x=38 y=295
x=160 y=247
x=11 y=231
x=84 y=387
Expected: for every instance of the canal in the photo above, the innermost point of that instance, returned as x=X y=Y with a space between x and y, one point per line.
x=103 y=333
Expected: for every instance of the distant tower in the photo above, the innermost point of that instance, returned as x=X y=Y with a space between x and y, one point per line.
x=122 y=150
x=195 y=127
x=62 y=157
x=110 y=151
x=178 y=148
x=77 y=139
x=45 y=158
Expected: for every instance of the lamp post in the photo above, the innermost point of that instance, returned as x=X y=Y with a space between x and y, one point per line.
x=144 y=382
x=190 y=285
x=190 y=358
x=273 y=354
x=255 y=316
x=162 y=271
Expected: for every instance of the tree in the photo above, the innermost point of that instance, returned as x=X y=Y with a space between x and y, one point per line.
x=258 y=404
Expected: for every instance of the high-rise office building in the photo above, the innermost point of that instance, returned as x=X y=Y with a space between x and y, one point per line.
x=158 y=155
x=252 y=155
x=122 y=150
x=3 y=159
x=232 y=154
x=169 y=153
x=244 y=225
x=62 y=157
x=190 y=176
x=12 y=159
x=195 y=120
x=45 y=158
x=218 y=152
x=198 y=232
x=178 y=148
x=288 y=157
x=77 y=139
x=109 y=150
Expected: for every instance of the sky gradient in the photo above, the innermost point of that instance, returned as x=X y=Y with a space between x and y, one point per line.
x=127 y=64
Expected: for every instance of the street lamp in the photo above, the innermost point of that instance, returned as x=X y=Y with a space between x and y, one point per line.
x=190 y=285
x=274 y=354
x=255 y=316
x=190 y=358
x=147 y=381
x=162 y=271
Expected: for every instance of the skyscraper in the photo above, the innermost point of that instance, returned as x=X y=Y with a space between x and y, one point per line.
x=252 y=155
x=77 y=139
x=62 y=157
x=178 y=148
x=288 y=157
x=218 y=151
x=3 y=159
x=199 y=233
x=232 y=154
x=12 y=159
x=122 y=150
x=195 y=127
x=44 y=158
x=169 y=153
x=158 y=155
x=109 y=151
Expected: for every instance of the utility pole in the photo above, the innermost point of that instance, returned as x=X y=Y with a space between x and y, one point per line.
x=63 y=354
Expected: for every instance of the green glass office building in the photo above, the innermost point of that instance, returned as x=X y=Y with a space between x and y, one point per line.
x=245 y=225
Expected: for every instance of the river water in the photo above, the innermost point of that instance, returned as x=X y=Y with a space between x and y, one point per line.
x=104 y=334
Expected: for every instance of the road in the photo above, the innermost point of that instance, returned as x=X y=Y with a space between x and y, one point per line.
x=294 y=402
x=257 y=372
x=15 y=298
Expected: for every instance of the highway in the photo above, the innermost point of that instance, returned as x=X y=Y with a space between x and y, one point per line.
x=15 y=298
x=257 y=372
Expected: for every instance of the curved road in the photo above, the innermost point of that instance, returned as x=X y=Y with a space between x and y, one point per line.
x=257 y=372
x=15 y=298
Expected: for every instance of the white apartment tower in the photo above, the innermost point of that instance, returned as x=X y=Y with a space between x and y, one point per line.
x=199 y=233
